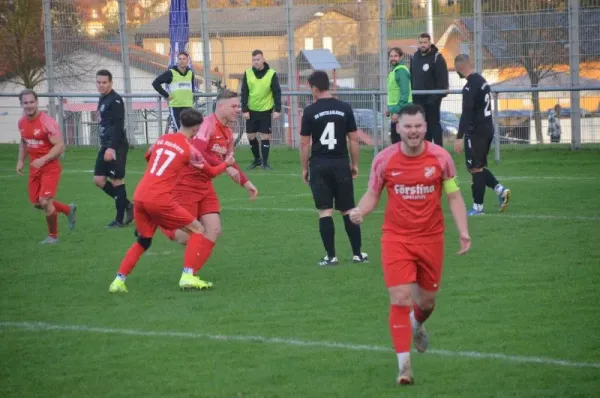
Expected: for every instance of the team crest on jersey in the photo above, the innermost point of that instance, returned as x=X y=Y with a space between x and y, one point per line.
x=219 y=149
x=36 y=132
x=429 y=171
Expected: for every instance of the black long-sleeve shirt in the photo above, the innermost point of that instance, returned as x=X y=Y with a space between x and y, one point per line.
x=112 y=120
x=275 y=88
x=476 y=118
x=167 y=77
x=429 y=72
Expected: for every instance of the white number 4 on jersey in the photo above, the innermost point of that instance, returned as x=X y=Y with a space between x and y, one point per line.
x=328 y=136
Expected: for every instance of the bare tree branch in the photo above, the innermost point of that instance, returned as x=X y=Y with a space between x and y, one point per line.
x=22 y=49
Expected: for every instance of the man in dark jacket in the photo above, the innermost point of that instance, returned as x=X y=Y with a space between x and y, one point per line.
x=429 y=71
x=261 y=101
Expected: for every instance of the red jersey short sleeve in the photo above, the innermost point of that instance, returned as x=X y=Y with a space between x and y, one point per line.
x=414 y=186
x=169 y=156
x=445 y=161
x=214 y=141
x=37 y=134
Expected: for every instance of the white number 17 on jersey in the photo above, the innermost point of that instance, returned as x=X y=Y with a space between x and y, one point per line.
x=165 y=162
x=328 y=136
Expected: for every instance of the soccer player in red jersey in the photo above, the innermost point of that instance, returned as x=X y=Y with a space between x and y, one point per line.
x=154 y=205
x=414 y=173
x=42 y=141
x=194 y=190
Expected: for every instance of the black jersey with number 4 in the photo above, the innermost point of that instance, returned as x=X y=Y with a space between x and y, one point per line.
x=328 y=121
x=476 y=116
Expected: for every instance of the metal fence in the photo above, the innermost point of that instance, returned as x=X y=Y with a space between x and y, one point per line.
x=77 y=116
x=515 y=44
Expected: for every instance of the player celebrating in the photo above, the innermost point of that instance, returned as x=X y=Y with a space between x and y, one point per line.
x=42 y=141
x=414 y=172
x=477 y=127
x=194 y=190
x=154 y=205
x=329 y=122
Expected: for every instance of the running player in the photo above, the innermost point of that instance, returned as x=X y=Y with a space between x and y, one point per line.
x=42 y=141
x=414 y=172
x=194 y=190
x=154 y=204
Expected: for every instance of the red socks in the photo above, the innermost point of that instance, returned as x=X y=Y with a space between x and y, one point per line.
x=192 y=251
x=52 y=221
x=61 y=207
x=206 y=247
x=197 y=252
x=421 y=315
x=400 y=328
x=131 y=258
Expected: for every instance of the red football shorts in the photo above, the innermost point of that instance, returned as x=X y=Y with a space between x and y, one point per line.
x=43 y=184
x=406 y=263
x=148 y=216
x=199 y=205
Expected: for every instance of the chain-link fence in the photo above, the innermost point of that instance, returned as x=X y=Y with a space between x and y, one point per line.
x=56 y=46
x=515 y=128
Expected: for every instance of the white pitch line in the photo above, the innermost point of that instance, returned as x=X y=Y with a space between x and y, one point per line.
x=516 y=216
x=43 y=327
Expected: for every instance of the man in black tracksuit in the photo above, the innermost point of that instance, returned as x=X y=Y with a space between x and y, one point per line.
x=112 y=157
x=429 y=71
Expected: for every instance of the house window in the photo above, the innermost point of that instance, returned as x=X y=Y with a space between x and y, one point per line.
x=196 y=51
x=328 y=43
x=159 y=48
x=308 y=43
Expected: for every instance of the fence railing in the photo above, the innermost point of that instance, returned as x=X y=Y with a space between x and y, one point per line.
x=517 y=122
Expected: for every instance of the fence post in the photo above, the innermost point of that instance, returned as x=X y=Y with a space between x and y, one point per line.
x=574 y=72
x=478 y=39
x=126 y=70
x=496 y=128
x=160 y=115
x=50 y=75
x=429 y=6
x=375 y=127
x=205 y=50
x=383 y=57
x=291 y=81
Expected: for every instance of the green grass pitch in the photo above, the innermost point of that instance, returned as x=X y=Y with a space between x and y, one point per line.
x=517 y=317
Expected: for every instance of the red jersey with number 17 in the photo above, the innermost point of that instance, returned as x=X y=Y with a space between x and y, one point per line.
x=414 y=185
x=168 y=157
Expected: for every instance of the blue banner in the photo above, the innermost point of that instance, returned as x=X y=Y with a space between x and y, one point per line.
x=179 y=30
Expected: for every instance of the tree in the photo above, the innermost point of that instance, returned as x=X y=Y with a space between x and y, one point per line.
x=22 y=49
x=534 y=36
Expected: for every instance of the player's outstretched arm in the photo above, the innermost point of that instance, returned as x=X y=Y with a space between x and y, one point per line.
x=354 y=147
x=198 y=161
x=22 y=156
x=366 y=205
x=304 y=155
x=459 y=213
